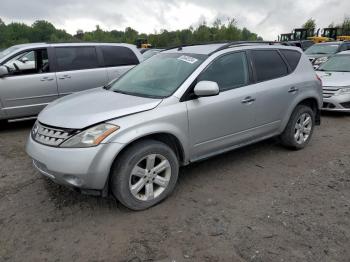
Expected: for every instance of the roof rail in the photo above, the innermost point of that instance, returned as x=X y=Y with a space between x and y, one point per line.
x=226 y=44
x=200 y=43
x=240 y=43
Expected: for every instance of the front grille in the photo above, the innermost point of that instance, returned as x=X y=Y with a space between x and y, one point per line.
x=49 y=135
x=329 y=91
x=345 y=105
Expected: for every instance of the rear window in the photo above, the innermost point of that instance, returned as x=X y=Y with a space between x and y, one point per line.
x=76 y=58
x=268 y=64
x=293 y=57
x=118 y=56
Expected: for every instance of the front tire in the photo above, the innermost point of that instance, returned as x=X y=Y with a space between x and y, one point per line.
x=299 y=129
x=145 y=174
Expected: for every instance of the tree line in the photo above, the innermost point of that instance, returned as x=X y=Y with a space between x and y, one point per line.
x=44 y=31
x=311 y=24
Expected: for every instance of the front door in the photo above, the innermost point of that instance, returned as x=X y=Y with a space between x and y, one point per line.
x=30 y=86
x=219 y=122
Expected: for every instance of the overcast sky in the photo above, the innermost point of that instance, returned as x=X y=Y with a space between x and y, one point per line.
x=268 y=18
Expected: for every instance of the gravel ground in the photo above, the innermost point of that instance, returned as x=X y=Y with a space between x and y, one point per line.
x=259 y=203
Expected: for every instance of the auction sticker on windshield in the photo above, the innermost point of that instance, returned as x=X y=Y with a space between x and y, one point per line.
x=188 y=59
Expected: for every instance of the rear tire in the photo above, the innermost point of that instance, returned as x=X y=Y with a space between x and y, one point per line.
x=299 y=129
x=145 y=174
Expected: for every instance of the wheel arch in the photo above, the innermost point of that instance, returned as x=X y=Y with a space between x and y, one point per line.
x=167 y=138
x=312 y=102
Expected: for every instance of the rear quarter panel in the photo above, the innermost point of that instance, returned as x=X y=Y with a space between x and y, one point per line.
x=309 y=87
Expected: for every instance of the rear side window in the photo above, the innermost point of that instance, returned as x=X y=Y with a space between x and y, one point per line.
x=268 y=64
x=293 y=57
x=76 y=58
x=118 y=56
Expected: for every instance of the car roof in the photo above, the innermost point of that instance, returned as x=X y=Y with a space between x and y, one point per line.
x=208 y=49
x=23 y=47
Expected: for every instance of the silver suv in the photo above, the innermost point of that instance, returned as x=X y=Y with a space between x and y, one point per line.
x=180 y=106
x=33 y=75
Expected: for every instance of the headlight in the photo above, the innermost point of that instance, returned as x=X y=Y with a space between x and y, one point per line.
x=320 y=60
x=344 y=90
x=91 y=137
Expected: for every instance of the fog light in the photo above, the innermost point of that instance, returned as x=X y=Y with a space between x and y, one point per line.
x=73 y=180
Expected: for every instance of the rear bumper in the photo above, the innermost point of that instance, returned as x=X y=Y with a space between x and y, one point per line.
x=337 y=103
x=84 y=168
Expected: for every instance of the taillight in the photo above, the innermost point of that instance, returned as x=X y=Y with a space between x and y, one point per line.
x=319 y=79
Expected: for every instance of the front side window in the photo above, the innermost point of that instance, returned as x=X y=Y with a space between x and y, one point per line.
x=76 y=58
x=159 y=76
x=29 y=62
x=268 y=65
x=229 y=71
x=338 y=63
x=118 y=56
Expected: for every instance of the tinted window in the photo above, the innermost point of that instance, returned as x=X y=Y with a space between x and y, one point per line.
x=268 y=65
x=118 y=56
x=76 y=58
x=293 y=57
x=229 y=71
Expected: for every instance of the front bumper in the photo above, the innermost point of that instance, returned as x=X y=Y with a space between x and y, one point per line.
x=84 y=168
x=337 y=103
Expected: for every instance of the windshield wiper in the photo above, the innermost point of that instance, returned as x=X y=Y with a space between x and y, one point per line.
x=136 y=94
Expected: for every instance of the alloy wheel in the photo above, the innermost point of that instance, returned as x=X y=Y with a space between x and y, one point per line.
x=303 y=128
x=150 y=177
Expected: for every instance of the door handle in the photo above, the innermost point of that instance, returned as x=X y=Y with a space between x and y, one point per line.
x=247 y=100
x=64 y=77
x=293 y=89
x=46 y=78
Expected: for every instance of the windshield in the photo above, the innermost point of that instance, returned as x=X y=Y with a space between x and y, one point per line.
x=338 y=63
x=158 y=77
x=8 y=51
x=322 y=49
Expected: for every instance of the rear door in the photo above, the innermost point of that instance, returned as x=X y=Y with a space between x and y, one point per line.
x=118 y=60
x=30 y=86
x=275 y=88
x=78 y=68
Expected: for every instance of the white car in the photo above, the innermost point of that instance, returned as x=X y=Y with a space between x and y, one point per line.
x=335 y=75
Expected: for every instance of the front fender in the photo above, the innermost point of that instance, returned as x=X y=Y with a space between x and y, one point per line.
x=170 y=120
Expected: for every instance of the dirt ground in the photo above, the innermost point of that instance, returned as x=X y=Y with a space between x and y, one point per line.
x=259 y=203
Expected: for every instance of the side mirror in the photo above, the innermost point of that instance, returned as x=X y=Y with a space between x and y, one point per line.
x=206 y=88
x=24 y=60
x=4 y=71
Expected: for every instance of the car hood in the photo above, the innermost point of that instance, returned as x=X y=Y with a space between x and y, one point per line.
x=334 y=78
x=93 y=106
